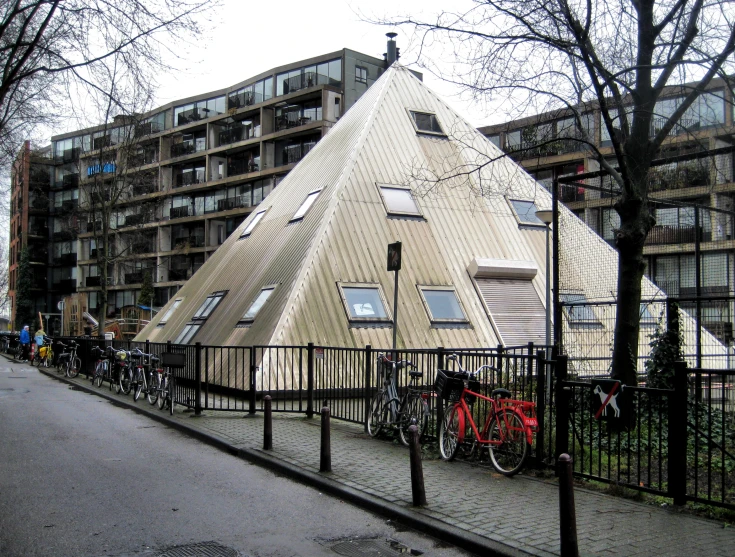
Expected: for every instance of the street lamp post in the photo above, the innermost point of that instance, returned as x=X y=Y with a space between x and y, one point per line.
x=547 y=217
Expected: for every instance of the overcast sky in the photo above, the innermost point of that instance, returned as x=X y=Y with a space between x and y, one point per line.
x=251 y=37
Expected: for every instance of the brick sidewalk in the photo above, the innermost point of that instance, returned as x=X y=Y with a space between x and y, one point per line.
x=516 y=516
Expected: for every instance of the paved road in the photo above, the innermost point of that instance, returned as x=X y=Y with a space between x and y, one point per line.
x=82 y=476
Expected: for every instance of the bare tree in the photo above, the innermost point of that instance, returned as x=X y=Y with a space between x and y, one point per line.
x=623 y=57
x=51 y=47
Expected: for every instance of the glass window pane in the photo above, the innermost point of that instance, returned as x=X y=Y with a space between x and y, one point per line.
x=308 y=202
x=443 y=304
x=170 y=311
x=526 y=211
x=253 y=223
x=426 y=122
x=399 y=200
x=257 y=304
x=335 y=70
x=364 y=302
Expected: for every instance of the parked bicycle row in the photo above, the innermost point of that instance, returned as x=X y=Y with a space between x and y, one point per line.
x=133 y=371
x=506 y=432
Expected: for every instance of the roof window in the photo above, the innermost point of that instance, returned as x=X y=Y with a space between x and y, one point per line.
x=201 y=315
x=426 y=122
x=253 y=223
x=254 y=308
x=170 y=312
x=306 y=205
x=442 y=304
x=364 y=303
x=399 y=200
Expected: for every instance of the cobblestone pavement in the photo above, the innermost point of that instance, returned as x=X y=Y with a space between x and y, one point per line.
x=521 y=513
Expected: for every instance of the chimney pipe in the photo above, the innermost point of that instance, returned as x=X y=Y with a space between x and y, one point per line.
x=392 y=54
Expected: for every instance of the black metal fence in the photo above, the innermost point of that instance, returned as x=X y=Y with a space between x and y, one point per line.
x=677 y=442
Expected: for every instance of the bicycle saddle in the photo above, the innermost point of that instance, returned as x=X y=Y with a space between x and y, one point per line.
x=155 y=359
x=416 y=373
x=502 y=393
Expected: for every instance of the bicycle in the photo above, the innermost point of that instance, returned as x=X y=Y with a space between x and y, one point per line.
x=509 y=426
x=144 y=380
x=387 y=410
x=68 y=362
x=166 y=397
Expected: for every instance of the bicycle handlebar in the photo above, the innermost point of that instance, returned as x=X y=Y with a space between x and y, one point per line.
x=471 y=374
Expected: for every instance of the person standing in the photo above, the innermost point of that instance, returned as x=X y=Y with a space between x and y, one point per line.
x=25 y=343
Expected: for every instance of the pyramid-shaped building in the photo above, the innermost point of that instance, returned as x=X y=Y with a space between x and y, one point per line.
x=310 y=263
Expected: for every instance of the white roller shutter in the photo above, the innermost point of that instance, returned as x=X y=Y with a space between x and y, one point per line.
x=516 y=310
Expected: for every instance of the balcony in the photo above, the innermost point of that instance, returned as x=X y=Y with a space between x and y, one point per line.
x=180 y=274
x=91 y=226
x=306 y=80
x=294 y=153
x=147 y=128
x=233 y=203
x=190 y=178
x=192 y=115
x=179 y=212
x=70 y=180
x=143 y=189
x=135 y=220
x=39 y=255
x=92 y=281
x=291 y=119
x=134 y=278
x=40 y=202
x=242 y=166
x=41 y=231
x=662 y=234
x=64 y=235
x=67 y=259
x=141 y=159
x=101 y=142
x=246 y=98
x=65 y=285
x=193 y=241
x=98 y=198
x=682 y=176
x=181 y=149
x=68 y=156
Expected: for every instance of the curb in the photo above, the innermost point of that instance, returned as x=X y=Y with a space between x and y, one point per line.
x=431 y=526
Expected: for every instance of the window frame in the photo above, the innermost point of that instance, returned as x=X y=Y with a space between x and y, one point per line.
x=411 y=114
x=170 y=311
x=361 y=74
x=391 y=212
x=519 y=220
x=442 y=320
x=367 y=321
x=253 y=223
x=247 y=321
x=306 y=205
x=200 y=317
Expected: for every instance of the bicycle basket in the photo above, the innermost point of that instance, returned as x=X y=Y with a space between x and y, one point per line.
x=449 y=384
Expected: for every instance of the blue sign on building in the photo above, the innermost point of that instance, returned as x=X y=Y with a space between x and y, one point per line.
x=107 y=168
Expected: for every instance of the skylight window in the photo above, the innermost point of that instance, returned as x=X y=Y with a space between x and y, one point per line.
x=170 y=312
x=253 y=223
x=306 y=205
x=201 y=315
x=442 y=304
x=426 y=122
x=525 y=212
x=364 y=303
x=254 y=308
x=578 y=310
x=399 y=200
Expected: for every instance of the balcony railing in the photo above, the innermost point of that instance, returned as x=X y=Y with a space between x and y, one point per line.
x=39 y=231
x=663 y=234
x=134 y=220
x=683 y=176
x=143 y=189
x=294 y=153
x=70 y=180
x=92 y=281
x=66 y=259
x=246 y=98
x=233 y=203
x=291 y=120
x=236 y=133
x=180 y=274
x=39 y=256
x=192 y=115
x=147 y=128
x=65 y=285
x=192 y=241
x=141 y=159
x=64 y=235
x=306 y=80
x=134 y=278
x=190 y=178
x=240 y=166
x=179 y=212
x=181 y=149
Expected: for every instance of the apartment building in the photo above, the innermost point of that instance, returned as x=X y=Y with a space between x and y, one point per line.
x=694 y=195
x=193 y=170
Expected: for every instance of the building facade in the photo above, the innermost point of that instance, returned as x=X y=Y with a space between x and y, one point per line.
x=693 y=196
x=172 y=184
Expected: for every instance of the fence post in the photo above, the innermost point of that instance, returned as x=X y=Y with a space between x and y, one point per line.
x=325 y=454
x=147 y=346
x=253 y=381
x=678 y=404
x=439 y=405
x=310 y=380
x=198 y=378
x=562 y=407
x=268 y=425
x=540 y=403
x=567 y=512
x=368 y=376
x=529 y=372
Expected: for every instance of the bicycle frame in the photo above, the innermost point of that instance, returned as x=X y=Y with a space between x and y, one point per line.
x=517 y=406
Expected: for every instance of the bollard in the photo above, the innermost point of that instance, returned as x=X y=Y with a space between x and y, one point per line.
x=325 y=456
x=268 y=425
x=417 y=472
x=567 y=514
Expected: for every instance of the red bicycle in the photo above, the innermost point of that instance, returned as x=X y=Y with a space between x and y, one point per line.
x=509 y=425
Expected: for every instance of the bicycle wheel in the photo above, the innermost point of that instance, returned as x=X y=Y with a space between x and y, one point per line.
x=163 y=393
x=139 y=386
x=126 y=379
x=449 y=432
x=377 y=413
x=508 y=457
x=413 y=408
x=153 y=388
x=75 y=364
x=99 y=374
